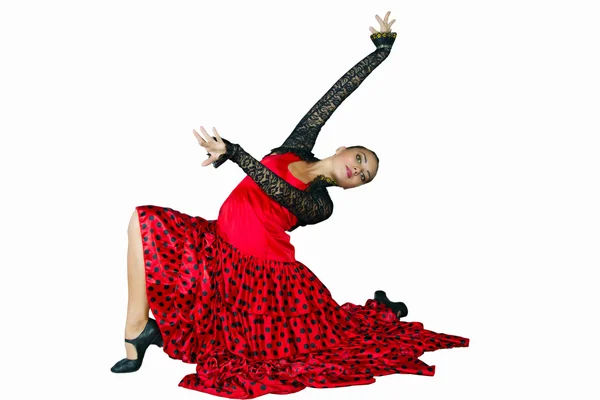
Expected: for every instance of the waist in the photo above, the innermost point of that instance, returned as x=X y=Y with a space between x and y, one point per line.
x=257 y=241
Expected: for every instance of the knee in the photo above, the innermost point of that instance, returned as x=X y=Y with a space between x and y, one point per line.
x=134 y=224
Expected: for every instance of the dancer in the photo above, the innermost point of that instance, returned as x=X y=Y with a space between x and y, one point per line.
x=229 y=295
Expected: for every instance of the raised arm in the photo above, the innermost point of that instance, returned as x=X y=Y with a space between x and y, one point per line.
x=305 y=134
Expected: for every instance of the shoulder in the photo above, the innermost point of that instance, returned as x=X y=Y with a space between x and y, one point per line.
x=318 y=190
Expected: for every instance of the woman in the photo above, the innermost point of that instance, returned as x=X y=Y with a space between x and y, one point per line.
x=229 y=295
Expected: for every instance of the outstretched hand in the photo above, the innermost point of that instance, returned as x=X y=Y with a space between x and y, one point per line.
x=214 y=146
x=383 y=24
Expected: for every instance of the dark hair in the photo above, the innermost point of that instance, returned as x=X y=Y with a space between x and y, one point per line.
x=364 y=148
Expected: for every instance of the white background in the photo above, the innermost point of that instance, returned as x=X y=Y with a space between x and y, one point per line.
x=484 y=217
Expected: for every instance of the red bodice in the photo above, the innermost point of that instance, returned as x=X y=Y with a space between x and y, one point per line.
x=256 y=224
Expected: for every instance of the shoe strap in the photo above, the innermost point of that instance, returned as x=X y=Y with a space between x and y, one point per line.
x=135 y=340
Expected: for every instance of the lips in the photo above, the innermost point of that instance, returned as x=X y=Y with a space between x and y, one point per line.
x=348 y=172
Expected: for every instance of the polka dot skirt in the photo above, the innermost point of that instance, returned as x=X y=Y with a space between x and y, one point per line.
x=254 y=326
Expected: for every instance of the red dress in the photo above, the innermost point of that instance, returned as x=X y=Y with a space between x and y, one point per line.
x=229 y=296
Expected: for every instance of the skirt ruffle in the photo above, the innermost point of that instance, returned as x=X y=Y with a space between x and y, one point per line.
x=254 y=326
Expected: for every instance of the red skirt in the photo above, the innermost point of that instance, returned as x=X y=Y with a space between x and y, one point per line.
x=255 y=326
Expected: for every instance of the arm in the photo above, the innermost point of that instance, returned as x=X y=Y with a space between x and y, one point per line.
x=308 y=207
x=305 y=134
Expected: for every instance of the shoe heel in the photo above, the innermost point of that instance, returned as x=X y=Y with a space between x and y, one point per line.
x=158 y=340
x=396 y=306
x=381 y=297
x=141 y=344
x=400 y=306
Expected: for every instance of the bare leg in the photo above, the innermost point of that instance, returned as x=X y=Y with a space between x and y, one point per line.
x=137 y=305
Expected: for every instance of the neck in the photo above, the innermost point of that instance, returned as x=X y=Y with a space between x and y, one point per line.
x=321 y=167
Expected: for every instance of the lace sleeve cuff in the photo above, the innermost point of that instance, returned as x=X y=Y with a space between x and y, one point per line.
x=383 y=39
x=231 y=150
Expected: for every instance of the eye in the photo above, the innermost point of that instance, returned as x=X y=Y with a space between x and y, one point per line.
x=362 y=176
x=358 y=158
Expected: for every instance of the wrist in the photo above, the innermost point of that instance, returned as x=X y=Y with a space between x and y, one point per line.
x=383 y=39
x=230 y=152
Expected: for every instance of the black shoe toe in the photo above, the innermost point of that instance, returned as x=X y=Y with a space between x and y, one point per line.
x=126 y=365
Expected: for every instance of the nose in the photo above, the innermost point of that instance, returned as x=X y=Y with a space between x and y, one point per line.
x=356 y=170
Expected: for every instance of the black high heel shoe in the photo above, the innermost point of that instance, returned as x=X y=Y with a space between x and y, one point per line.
x=150 y=335
x=381 y=297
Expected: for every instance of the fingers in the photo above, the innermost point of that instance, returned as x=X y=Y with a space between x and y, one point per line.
x=200 y=140
x=208 y=161
x=372 y=29
x=209 y=143
x=206 y=135
x=217 y=135
x=381 y=23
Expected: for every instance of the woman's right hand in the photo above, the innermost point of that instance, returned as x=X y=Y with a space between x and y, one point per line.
x=214 y=146
x=383 y=24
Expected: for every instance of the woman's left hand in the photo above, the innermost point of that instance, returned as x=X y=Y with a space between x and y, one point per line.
x=214 y=146
x=383 y=24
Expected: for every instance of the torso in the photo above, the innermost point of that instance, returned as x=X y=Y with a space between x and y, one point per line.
x=298 y=170
x=256 y=224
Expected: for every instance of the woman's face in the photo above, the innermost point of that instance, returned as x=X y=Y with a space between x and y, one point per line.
x=353 y=167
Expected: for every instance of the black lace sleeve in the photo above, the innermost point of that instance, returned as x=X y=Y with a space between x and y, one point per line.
x=310 y=207
x=305 y=134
